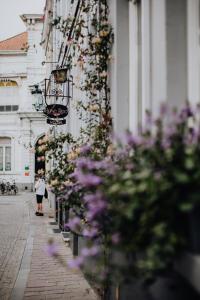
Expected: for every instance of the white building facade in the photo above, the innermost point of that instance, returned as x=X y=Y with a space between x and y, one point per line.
x=156 y=59
x=20 y=125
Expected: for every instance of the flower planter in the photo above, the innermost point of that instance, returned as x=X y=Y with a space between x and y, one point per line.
x=82 y=243
x=193 y=230
x=74 y=243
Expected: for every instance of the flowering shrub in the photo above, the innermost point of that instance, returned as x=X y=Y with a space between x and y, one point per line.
x=56 y=148
x=135 y=203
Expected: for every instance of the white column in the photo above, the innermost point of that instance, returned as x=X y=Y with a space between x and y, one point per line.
x=146 y=59
x=159 y=64
x=133 y=70
x=193 y=51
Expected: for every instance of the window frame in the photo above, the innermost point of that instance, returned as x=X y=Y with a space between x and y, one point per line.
x=4 y=146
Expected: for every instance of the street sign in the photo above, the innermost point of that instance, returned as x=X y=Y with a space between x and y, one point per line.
x=56 y=121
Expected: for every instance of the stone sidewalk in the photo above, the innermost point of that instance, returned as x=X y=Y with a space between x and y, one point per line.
x=45 y=277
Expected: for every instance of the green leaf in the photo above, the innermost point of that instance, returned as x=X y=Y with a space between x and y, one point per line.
x=189 y=164
x=181 y=177
x=159 y=229
x=184 y=207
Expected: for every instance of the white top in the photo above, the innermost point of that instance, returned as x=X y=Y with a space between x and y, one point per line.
x=40 y=187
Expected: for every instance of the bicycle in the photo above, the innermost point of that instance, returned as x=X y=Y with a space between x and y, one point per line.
x=14 y=188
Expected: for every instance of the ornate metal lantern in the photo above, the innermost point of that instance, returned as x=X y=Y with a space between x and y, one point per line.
x=58 y=92
x=39 y=101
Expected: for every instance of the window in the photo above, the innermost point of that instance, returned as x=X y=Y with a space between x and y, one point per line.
x=5 y=154
x=4 y=108
x=7 y=82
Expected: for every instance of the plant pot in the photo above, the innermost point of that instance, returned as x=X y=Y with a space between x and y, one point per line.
x=74 y=243
x=193 y=230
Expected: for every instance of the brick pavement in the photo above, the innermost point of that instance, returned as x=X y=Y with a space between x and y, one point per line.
x=14 y=225
x=48 y=279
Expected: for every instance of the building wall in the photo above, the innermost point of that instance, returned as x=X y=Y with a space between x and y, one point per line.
x=13 y=64
x=24 y=126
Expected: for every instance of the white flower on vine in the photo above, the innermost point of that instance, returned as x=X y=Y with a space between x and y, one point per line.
x=67 y=182
x=78 y=150
x=110 y=150
x=93 y=108
x=103 y=74
x=40 y=142
x=54 y=182
x=103 y=33
x=72 y=155
x=96 y=40
x=45 y=138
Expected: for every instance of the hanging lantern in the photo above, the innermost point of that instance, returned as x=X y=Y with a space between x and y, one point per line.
x=39 y=101
x=57 y=97
x=60 y=75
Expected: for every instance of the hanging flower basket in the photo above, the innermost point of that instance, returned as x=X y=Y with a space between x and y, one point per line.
x=56 y=111
x=60 y=75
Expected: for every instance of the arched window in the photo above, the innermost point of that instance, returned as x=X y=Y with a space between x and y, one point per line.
x=5 y=154
x=7 y=83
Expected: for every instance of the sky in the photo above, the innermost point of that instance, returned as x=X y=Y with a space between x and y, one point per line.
x=10 y=10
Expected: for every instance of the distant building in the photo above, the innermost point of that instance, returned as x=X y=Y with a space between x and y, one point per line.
x=20 y=125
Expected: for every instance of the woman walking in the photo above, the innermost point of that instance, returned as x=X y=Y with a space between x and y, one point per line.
x=40 y=191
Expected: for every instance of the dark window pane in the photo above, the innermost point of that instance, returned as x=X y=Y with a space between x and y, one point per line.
x=15 y=107
x=8 y=158
x=1 y=158
x=8 y=107
x=2 y=108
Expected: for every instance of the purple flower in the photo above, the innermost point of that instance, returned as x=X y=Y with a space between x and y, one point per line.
x=76 y=263
x=90 y=197
x=129 y=166
x=149 y=142
x=88 y=180
x=96 y=209
x=191 y=137
x=133 y=140
x=51 y=249
x=164 y=109
x=186 y=112
x=93 y=251
x=85 y=149
x=85 y=163
x=91 y=233
x=73 y=224
x=166 y=143
x=115 y=238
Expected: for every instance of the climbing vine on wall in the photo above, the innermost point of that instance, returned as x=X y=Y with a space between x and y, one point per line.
x=90 y=45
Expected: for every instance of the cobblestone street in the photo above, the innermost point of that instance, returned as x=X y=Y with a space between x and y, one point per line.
x=26 y=272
